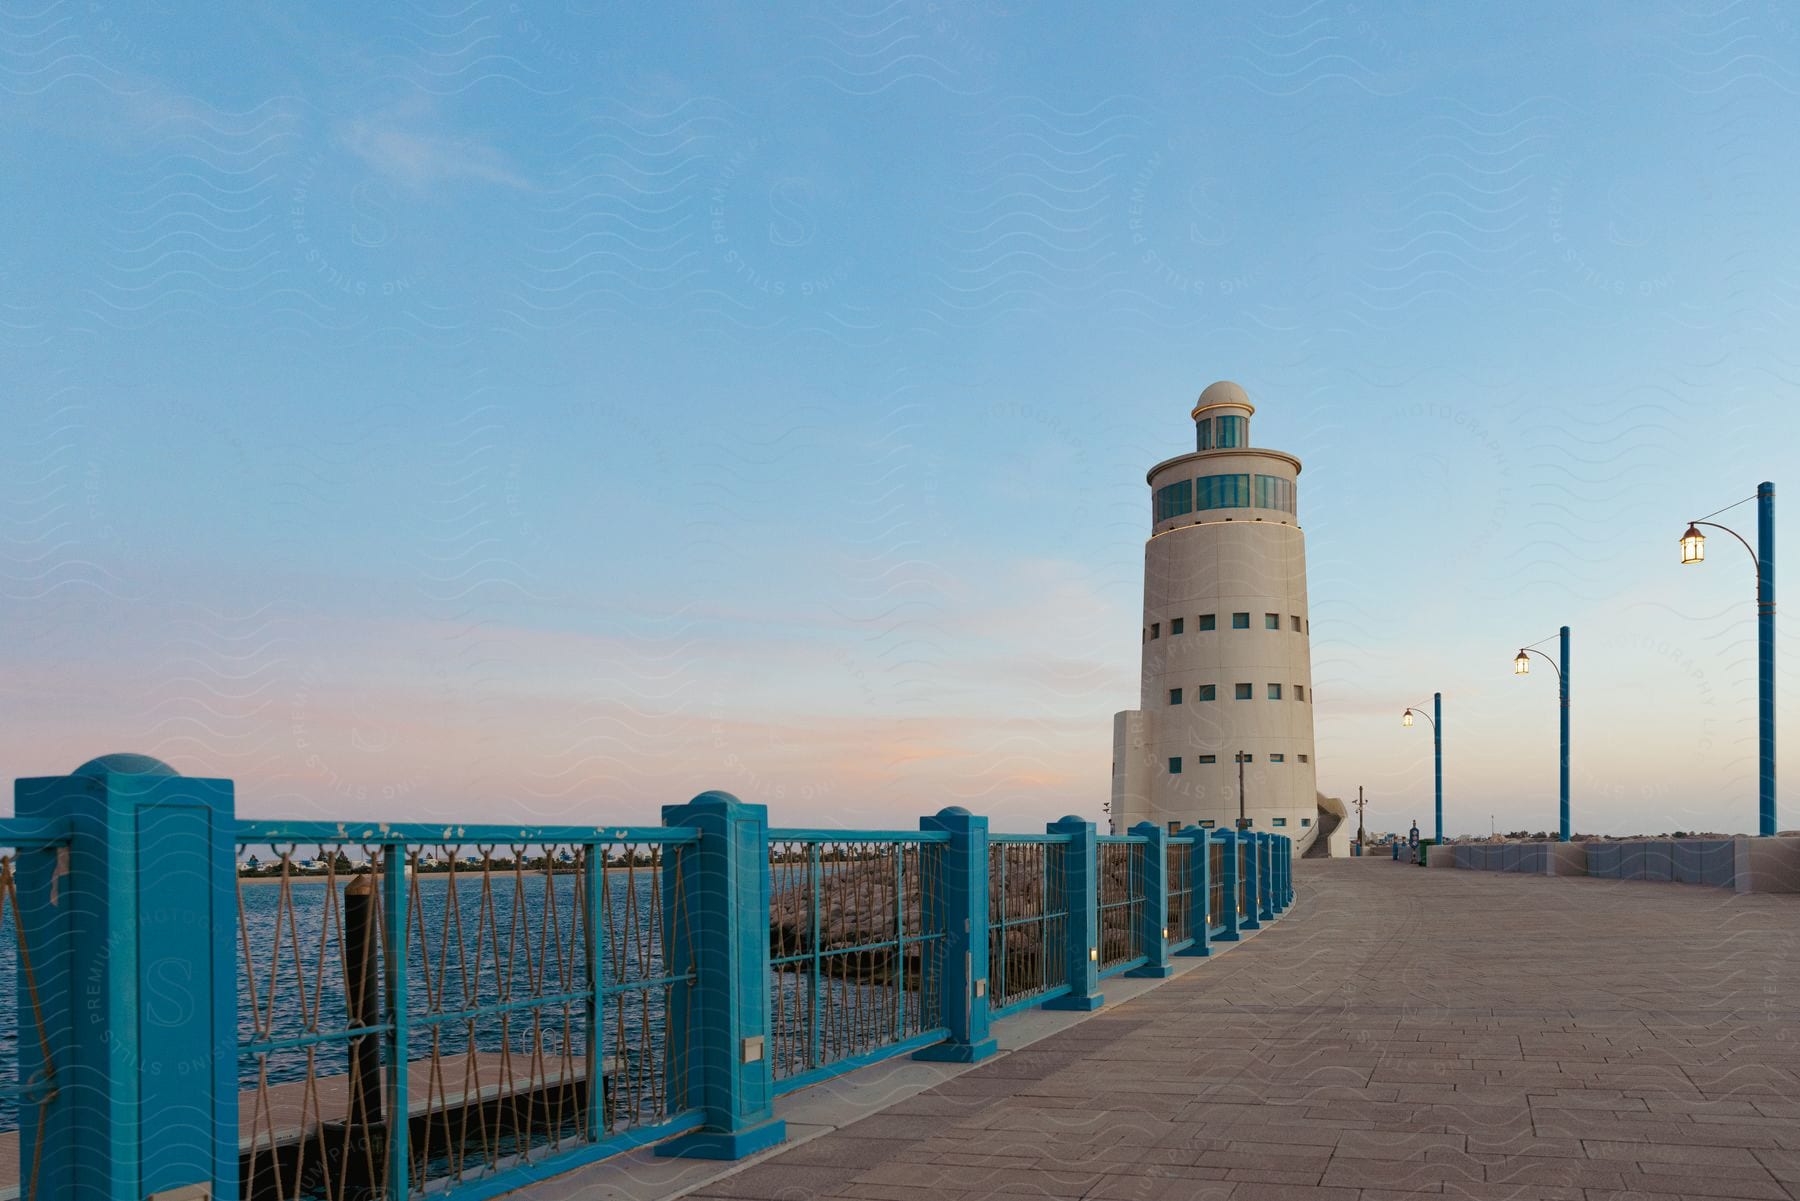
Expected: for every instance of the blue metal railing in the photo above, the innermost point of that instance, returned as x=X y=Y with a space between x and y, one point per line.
x=1183 y=901
x=1028 y=921
x=392 y=1011
x=1217 y=898
x=852 y=921
x=1121 y=902
x=508 y=969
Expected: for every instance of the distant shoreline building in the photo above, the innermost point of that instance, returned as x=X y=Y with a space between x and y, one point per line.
x=1227 y=646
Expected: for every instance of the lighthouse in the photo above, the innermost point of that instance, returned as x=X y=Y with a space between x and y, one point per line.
x=1227 y=659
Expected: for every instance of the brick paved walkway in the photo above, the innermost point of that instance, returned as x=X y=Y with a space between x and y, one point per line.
x=1401 y=1032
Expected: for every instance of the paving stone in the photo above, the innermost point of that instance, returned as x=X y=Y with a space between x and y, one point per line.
x=1399 y=1033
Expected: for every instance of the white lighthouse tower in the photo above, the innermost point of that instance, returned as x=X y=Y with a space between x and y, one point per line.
x=1227 y=661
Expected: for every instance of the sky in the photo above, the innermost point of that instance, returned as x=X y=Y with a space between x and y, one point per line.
x=505 y=411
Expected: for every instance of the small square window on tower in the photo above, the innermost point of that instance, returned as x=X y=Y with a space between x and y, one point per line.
x=1274 y=692
x=1208 y=692
x=1306 y=821
x=1280 y=821
x=1277 y=758
x=1243 y=692
x=1209 y=758
x=1299 y=692
x=1303 y=758
x=1271 y=621
x=1156 y=629
x=1295 y=618
x=1175 y=765
x=1176 y=625
x=1240 y=621
x=1208 y=621
x=1174 y=696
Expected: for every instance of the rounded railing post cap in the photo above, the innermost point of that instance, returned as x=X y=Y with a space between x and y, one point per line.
x=124 y=764
x=954 y=811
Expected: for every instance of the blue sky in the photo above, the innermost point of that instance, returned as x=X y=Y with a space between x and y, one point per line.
x=553 y=410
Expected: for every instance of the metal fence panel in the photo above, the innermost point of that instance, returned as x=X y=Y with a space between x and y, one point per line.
x=851 y=922
x=1028 y=927
x=1180 y=859
x=504 y=979
x=1215 y=885
x=1121 y=903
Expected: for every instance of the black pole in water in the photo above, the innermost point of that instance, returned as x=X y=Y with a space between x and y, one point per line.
x=362 y=975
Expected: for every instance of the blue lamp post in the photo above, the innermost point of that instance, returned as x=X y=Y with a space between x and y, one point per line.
x=1522 y=667
x=1693 y=550
x=1436 y=718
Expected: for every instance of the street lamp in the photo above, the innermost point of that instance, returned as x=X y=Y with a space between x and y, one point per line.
x=1522 y=667
x=1436 y=718
x=1693 y=550
x=1693 y=545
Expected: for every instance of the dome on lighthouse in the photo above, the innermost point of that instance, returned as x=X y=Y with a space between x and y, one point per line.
x=1223 y=393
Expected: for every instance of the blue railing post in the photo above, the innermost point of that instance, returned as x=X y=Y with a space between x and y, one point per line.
x=1228 y=900
x=1081 y=900
x=957 y=973
x=1287 y=872
x=146 y=901
x=716 y=926
x=1265 y=876
x=1153 y=869
x=396 y=895
x=1199 y=893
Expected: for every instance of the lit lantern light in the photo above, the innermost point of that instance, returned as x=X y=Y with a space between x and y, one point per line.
x=1406 y=718
x=1522 y=665
x=1693 y=545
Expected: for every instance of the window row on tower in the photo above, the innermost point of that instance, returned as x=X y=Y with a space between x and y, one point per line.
x=1239 y=491
x=1209 y=823
x=1242 y=692
x=1239 y=621
x=1175 y=761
